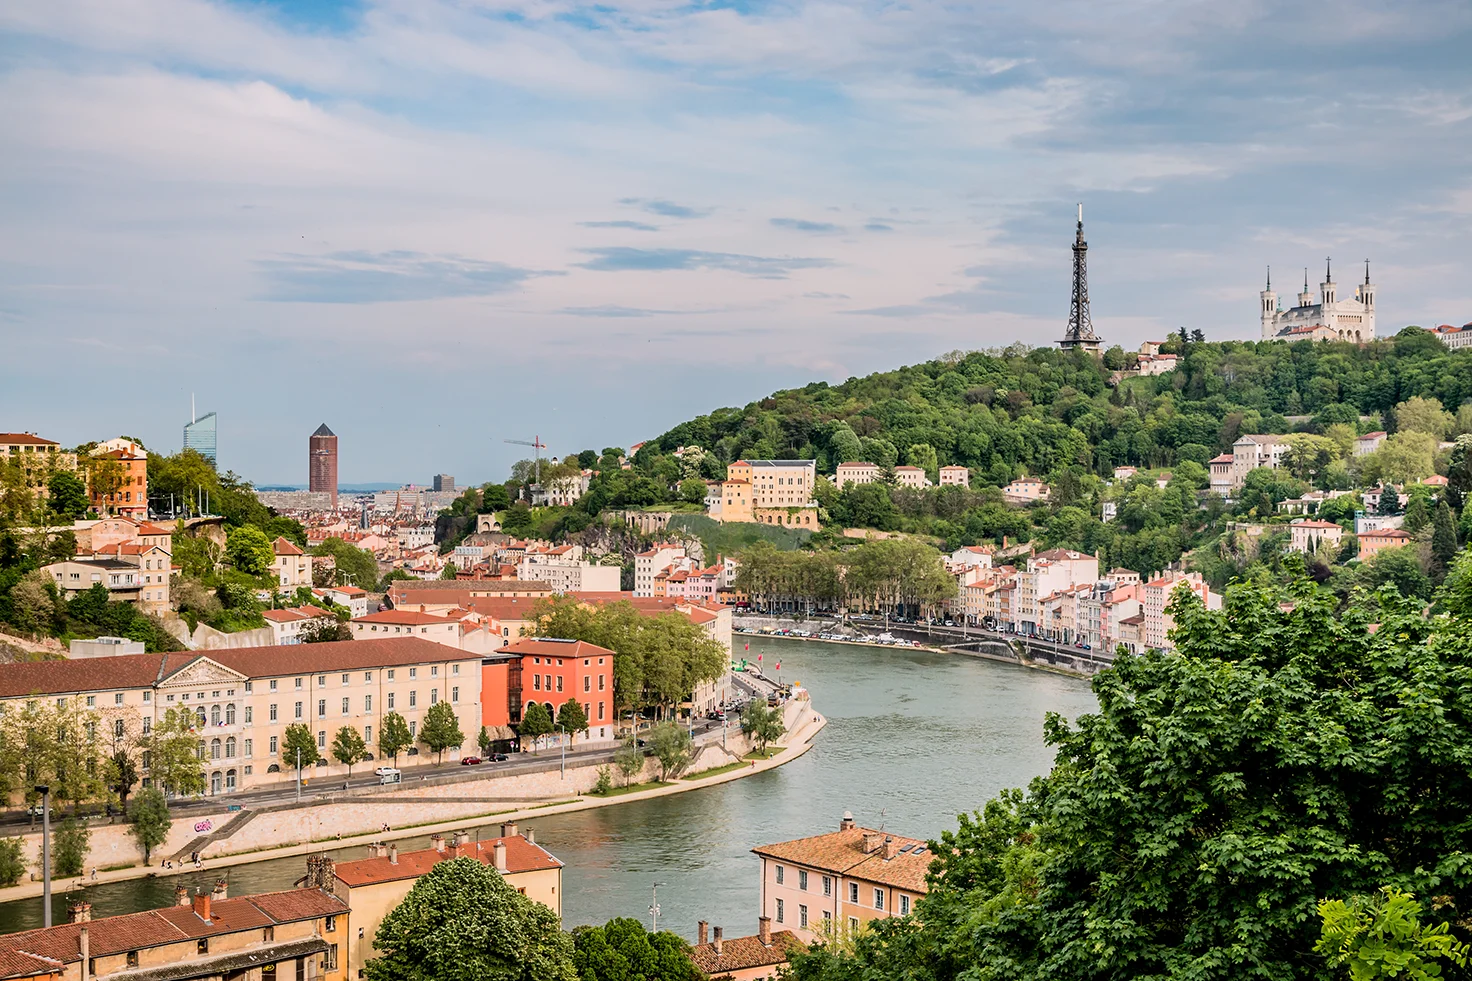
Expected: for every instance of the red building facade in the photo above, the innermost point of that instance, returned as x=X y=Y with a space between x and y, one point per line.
x=549 y=672
x=322 y=462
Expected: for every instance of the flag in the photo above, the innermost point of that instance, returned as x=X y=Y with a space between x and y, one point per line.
x=748 y=645
x=779 y=666
x=758 y=657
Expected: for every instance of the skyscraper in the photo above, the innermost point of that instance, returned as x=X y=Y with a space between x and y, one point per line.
x=200 y=435
x=322 y=462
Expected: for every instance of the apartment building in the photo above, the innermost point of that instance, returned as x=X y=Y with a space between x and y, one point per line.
x=651 y=562
x=1256 y=450
x=127 y=494
x=1025 y=490
x=842 y=879
x=955 y=476
x=290 y=625
x=553 y=671
x=856 y=473
x=291 y=566
x=758 y=957
x=1220 y=469
x=353 y=599
x=245 y=698
x=1157 y=594
x=912 y=477
x=1309 y=536
x=1047 y=573
x=373 y=887
x=38 y=459
x=776 y=483
x=297 y=934
x=566 y=574
x=1372 y=543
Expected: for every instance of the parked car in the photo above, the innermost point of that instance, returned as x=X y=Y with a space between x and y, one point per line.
x=500 y=758
x=384 y=770
x=470 y=761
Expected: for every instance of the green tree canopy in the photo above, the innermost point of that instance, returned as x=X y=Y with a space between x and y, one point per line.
x=670 y=744
x=150 y=821
x=536 y=722
x=393 y=736
x=440 y=730
x=622 y=950
x=249 y=550
x=572 y=718
x=462 y=922
x=348 y=747
x=298 y=738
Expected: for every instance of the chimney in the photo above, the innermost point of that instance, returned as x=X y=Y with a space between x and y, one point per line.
x=873 y=841
x=764 y=930
x=438 y=843
x=847 y=823
x=202 y=906
x=508 y=830
x=222 y=889
x=84 y=945
x=500 y=855
x=393 y=854
x=530 y=836
x=79 y=912
x=702 y=931
x=716 y=941
x=891 y=847
x=181 y=896
x=462 y=838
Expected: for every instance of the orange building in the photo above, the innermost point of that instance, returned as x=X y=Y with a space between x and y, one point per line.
x=1373 y=543
x=548 y=671
x=122 y=490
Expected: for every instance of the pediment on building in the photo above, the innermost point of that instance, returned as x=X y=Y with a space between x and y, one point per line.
x=202 y=672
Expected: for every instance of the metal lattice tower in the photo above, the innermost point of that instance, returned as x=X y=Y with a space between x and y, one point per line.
x=1080 y=333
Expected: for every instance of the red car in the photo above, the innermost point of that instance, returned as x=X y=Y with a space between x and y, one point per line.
x=470 y=761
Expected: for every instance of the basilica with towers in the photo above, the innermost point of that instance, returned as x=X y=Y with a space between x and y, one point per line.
x=1330 y=319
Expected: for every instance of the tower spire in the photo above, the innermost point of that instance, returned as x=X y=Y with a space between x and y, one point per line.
x=1270 y=277
x=1328 y=272
x=1080 y=332
x=1367 y=272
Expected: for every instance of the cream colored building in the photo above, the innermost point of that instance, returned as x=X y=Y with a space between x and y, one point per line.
x=1025 y=490
x=955 y=475
x=1156 y=596
x=375 y=885
x=244 y=699
x=1309 y=536
x=38 y=458
x=291 y=566
x=911 y=477
x=855 y=473
x=776 y=483
x=651 y=562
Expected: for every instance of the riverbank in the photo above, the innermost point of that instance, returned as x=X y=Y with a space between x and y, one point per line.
x=798 y=742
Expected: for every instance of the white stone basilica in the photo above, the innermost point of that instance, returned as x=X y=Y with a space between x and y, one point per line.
x=1328 y=320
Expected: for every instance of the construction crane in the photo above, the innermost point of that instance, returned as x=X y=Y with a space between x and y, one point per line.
x=536 y=441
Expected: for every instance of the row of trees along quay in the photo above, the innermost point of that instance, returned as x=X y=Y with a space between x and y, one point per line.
x=880 y=575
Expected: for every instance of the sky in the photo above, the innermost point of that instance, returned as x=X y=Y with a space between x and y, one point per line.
x=436 y=225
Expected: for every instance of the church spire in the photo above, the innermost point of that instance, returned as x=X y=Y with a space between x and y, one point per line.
x=1270 y=277
x=1367 y=272
x=1328 y=274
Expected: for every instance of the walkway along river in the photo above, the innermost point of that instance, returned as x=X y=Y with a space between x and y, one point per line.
x=913 y=739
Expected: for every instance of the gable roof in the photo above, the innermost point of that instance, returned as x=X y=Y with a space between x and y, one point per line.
x=283 y=547
x=521 y=856
x=842 y=852
x=744 y=953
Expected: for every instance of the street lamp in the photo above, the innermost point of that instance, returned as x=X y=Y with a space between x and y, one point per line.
x=45 y=793
x=653 y=909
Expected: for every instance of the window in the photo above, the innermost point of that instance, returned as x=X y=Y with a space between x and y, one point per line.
x=454 y=669
x=91 y=701
x=344 y=679
x=117 y=728
x=269 y=933
x=321 y=681
x=147 y=725
x=344 y=706
x=879 y=899
x=853 y=892
x=536 y=682
x=202 y=946
x=904 y=905
x=117 y=699
x=298 y=684
x=248 y=744
x=331 y=924
x=434 y=696
x=802 y=916
x=455 y=694
x=230 y=714
x=147 y=697
x=827 y=885
x=132 y=958
x=321 y=707
x=413 y=732
x=390 y=699
x=802 y=879
x=827 y=916
x=600 y=677
x=273 y=684
x=273 y=745
x=779 y=910
x=434 y=670
x=249 y=714
x=780 y=871
x=390 y=674
x=271 y=711
x=367 y=675
x=853 y=924
x=559 y=682
x=321 y=739
x=249 y=687
x=230 y=748
x=587 y=683
x=413 y=672
x=600 y=710
x=413 y=699
x=367 y=703
x=214 y=749
x=298 y=710
x=368 y=735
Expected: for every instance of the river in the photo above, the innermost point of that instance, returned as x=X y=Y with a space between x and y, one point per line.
x=913 y=738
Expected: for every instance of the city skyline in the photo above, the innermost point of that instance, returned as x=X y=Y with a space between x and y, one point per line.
x=613 y=194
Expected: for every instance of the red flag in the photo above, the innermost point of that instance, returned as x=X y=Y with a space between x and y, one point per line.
x=758 y=657
x=748 y=645
x=779 y=666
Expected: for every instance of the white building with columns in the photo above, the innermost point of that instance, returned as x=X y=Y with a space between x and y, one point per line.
x=1350 y=319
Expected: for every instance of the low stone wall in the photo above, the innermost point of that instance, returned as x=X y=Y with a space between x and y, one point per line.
x=366 y=810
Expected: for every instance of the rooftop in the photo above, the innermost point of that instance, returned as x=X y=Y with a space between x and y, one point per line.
x=842 y=852
x=743 y=953
x=521 y=856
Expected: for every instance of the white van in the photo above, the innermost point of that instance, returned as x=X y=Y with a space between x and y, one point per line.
x=387 y=774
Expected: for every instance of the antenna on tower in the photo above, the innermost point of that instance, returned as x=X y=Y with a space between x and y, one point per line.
x=1270 y=277
x=1367 y=272
x=194 y=417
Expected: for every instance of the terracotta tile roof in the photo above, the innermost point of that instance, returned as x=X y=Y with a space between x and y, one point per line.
x=149 y=528
x=469 y=585
x=1313 y=524
x=1392 y=533
x=547 y=647
x=1377 y=434
x=345 y=590
x=1223 y=458
x=283 y=547
x=842 y=853
x=744 y=953
x=121 y=671
x=408 y=617
x=337 y=655
x=521 y=856
x=26 y=439
x=20 y=953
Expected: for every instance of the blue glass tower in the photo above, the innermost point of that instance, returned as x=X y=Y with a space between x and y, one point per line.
x=199 y=436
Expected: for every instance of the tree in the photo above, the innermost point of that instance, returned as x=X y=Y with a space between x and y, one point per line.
x=298 y=739
x=692 y=490
x=1418 y=516
x=1383 y=937
x=12 y=861
x=762 y=723
x=462 y=922
x=67 y=495
x=249 y=550
x=150 y=821
x=670 y=744
x=349 y=748
x=1443 y=541
x=571 y=717
x=69 y=850
x=124 y=776
x=622 y=950
x=174 y=760
x=630 y=758
x=1423 y=415
x=1397 y=567
x=33 y=602
x=450 y=571
x=484 y=741
x=1185 y=828
x=393 y=736
x=105 y=477
x=535 y=723
x=324 y=631
x=352 y=565
x=441 y=730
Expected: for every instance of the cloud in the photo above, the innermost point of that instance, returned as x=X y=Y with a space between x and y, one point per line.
x=801 y=225
x=378 y=277
x=898 y=310
x=637 y=226
x=624 y=259
x=612 y=311
x=878 y=226
x=667 y=209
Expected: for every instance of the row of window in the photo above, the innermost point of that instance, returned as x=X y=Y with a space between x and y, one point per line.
x=853 y=891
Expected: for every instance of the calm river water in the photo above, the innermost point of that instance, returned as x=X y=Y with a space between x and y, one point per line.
x=913 y=739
